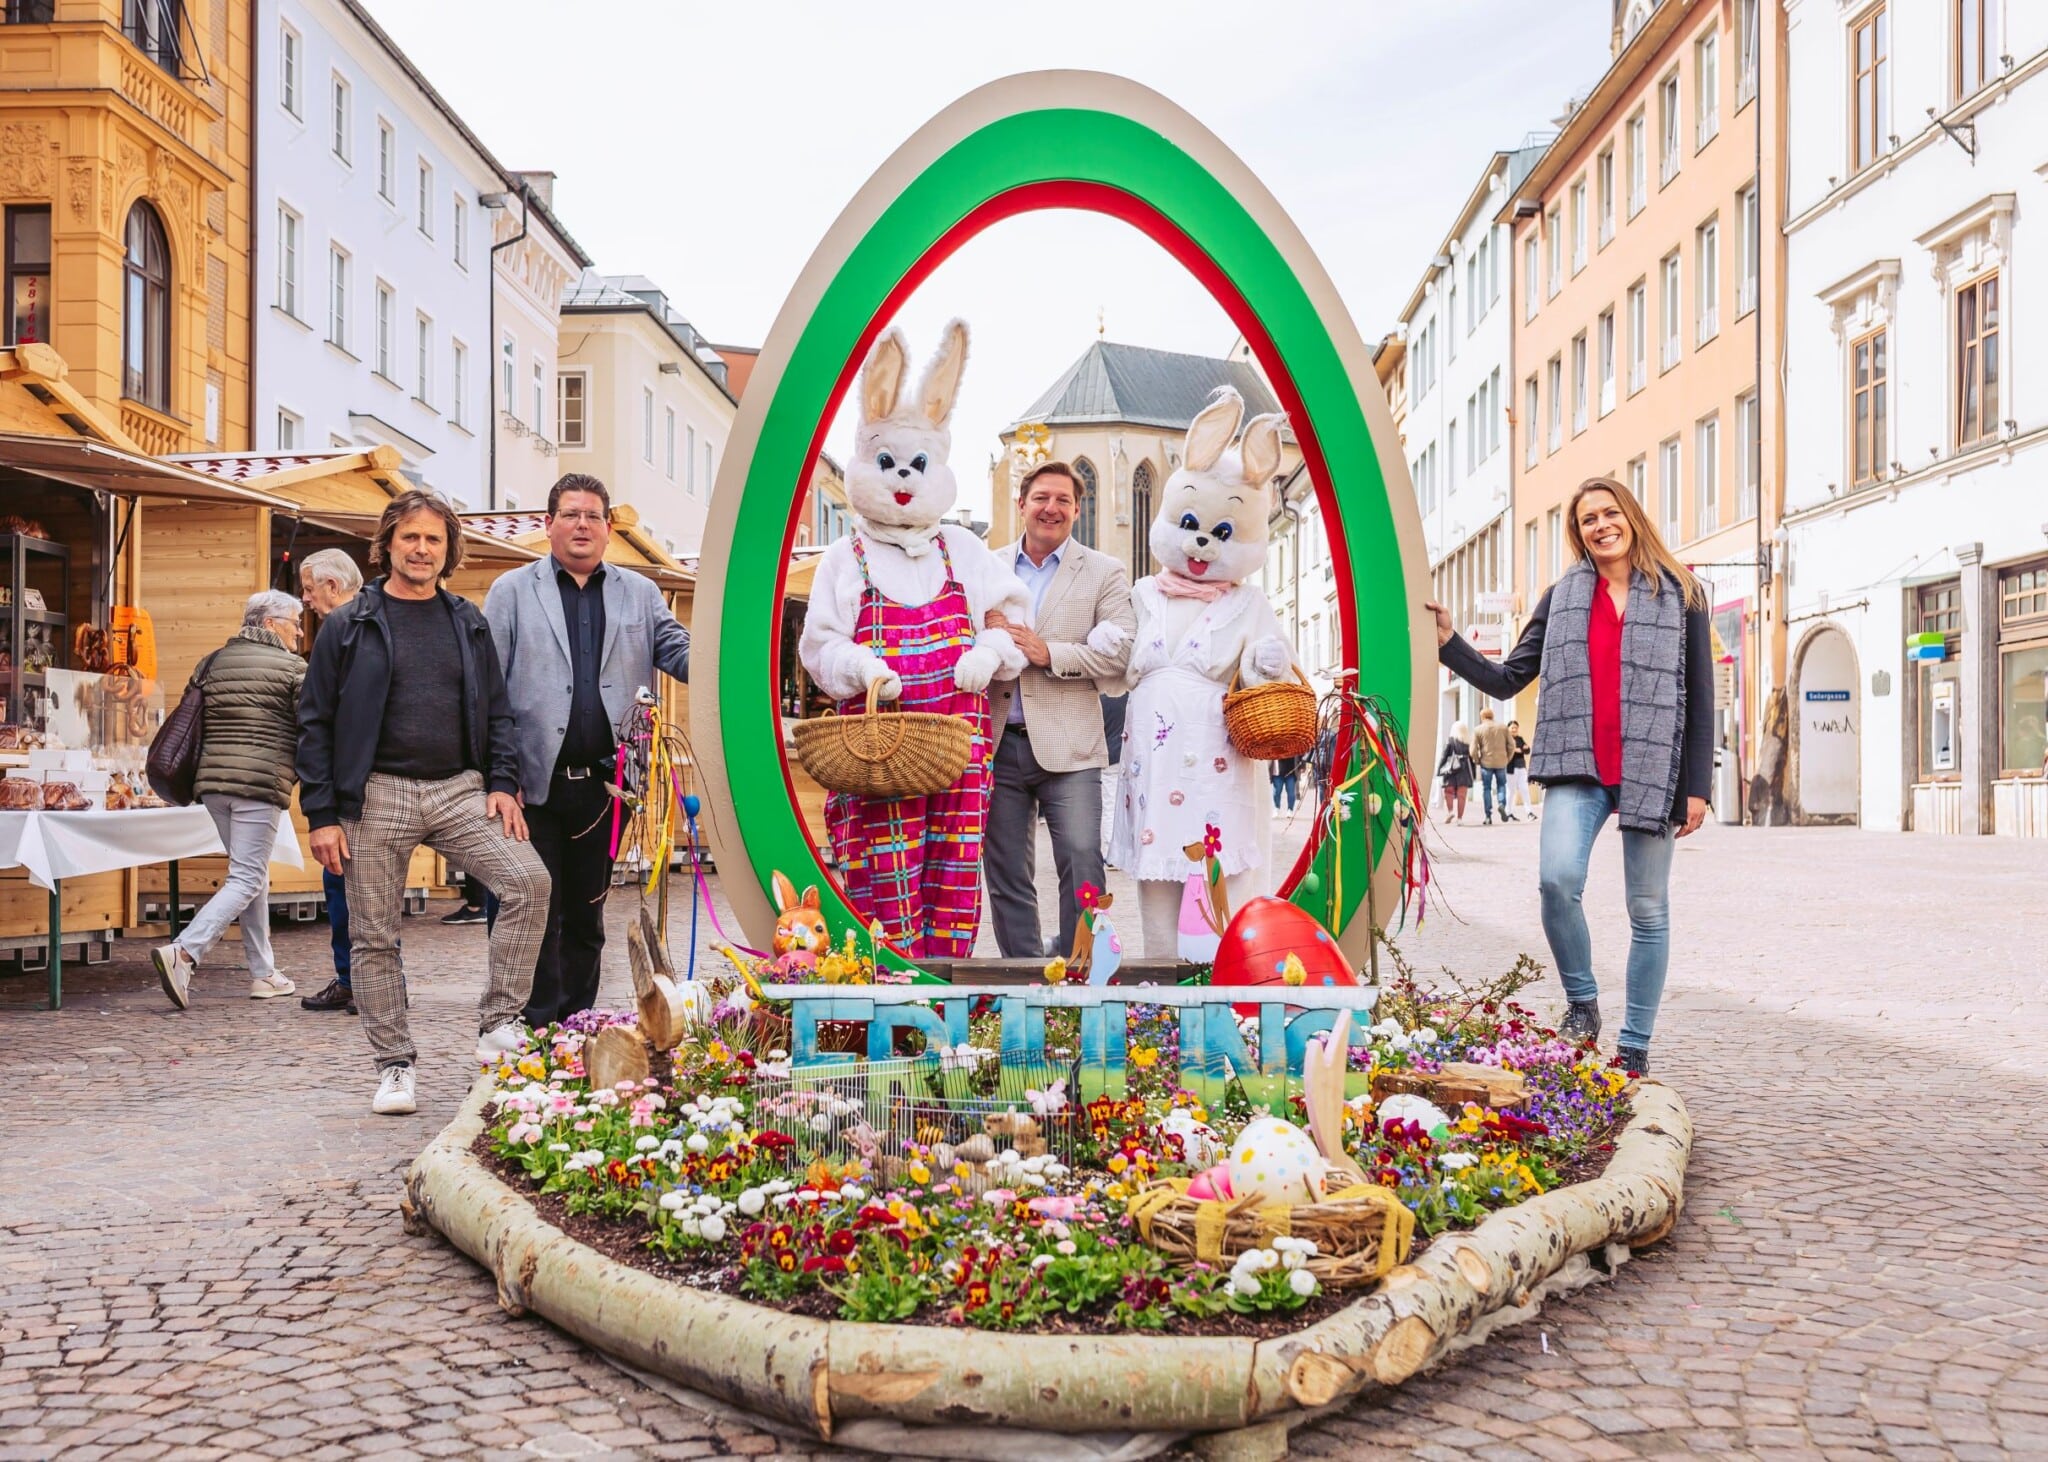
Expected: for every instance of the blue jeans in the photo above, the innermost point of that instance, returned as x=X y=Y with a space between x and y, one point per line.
x=1574 y=814
x=336 y=889
x=1493 y=783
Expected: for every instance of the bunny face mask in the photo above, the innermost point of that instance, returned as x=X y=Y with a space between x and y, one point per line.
x=1212 y=526
x=898 y=480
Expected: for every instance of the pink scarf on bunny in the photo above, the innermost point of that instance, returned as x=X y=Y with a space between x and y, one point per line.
x=1176 y=585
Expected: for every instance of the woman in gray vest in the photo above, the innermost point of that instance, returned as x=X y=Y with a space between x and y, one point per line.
x=248 y=742
x=1620 y=649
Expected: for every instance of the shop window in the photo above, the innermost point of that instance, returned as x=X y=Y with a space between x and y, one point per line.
x=28 y=276
x=1939 y=610
x=146 y=312
x=1084 y=524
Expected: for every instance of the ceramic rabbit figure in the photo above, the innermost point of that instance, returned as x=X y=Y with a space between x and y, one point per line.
x=901 y=604
x=1201 y=626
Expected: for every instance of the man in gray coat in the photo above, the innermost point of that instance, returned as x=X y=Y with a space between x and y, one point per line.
x=578 y=638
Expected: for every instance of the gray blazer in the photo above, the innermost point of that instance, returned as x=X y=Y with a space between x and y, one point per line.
x=524 y=608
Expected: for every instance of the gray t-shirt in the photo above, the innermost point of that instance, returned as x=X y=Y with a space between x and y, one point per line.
x=422 y=732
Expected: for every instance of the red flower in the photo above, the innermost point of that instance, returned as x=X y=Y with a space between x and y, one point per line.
x=842 y=1241
x=1212 y=839
x=825 y=1264
x=780 y=1236
x=786 y=1261
x=774 y=1141
x=977 y=1294
x=1088 y=896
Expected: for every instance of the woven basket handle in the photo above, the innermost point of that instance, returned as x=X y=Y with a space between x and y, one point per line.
x=863 y=740
x=874 y=695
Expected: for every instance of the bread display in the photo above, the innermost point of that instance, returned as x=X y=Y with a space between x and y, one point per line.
x=18 y=794
x=64 y=797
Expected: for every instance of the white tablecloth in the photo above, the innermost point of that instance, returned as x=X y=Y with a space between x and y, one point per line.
x=54 y=845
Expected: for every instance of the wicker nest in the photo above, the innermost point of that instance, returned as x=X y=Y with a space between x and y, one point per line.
x=885 y=754
x=1359 y=1232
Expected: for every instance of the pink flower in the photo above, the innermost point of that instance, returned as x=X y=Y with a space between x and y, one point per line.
x=585 y=1125
x=1055 y=1207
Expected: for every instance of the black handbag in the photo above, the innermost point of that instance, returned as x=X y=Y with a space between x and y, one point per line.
x=173 y=766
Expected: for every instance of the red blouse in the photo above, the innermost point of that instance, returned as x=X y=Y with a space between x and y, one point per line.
x=1603 y=655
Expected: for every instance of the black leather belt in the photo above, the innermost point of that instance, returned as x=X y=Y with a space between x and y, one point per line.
x=577 y=774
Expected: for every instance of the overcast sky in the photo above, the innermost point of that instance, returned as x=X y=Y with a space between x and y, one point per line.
x=709 y=147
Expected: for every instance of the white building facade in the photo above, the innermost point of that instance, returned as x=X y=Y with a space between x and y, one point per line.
x=534 y=260
x=372 y=237
x=1915 y=540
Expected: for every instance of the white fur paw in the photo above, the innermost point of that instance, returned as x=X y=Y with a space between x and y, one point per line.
x=974 y=670
x=1107 y=638
x=1270 y=658
x=890 y=682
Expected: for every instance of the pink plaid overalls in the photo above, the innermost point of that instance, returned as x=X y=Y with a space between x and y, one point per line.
x=915 y=862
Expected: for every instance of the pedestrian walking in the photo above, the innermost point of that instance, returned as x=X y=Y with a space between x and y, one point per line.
x=1286 y=775
x=406 y=738
x=328 y=579
x=248 y=731
x=1518 y=775
x=1454 y=771
x=578 y=639
x=1493 y=749
x=1620 y=649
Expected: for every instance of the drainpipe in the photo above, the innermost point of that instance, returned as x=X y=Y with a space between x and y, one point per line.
x=491 y=345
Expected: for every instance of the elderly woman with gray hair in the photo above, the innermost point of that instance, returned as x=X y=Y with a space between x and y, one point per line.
x=248 y=747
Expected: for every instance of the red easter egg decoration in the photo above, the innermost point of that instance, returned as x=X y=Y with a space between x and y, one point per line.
x=1263 y=933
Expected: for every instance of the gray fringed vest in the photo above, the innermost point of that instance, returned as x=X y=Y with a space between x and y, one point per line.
x=1652 y=695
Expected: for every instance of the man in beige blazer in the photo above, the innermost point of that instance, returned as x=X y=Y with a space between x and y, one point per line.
x=1047 y=724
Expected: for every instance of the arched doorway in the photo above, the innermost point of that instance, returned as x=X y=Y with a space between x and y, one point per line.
x=1827 y=720
x=1085 y=495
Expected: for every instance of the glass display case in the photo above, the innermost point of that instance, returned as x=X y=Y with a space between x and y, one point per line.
x=35 y=637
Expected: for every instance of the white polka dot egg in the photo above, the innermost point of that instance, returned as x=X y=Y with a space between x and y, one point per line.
x=1277 y=1161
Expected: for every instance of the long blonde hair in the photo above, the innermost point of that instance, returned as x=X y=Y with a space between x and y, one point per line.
x=1647 y=554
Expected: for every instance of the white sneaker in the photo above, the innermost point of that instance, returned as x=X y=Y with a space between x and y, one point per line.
x=270 y=987
x=174 y=972
x=494 y=1046
x=394 y=1093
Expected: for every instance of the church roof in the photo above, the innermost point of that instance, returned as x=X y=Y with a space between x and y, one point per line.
x=1143 y=387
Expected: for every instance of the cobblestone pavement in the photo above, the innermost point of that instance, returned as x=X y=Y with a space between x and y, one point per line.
x=200 y=1254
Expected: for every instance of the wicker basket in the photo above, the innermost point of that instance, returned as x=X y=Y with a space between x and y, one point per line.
x=1271 y=722
x=1359 y=1232
x=885 y=753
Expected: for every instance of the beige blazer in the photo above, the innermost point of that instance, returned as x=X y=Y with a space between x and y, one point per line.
x=1060 y=703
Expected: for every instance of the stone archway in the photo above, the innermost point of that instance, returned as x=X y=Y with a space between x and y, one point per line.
x=1826 y=781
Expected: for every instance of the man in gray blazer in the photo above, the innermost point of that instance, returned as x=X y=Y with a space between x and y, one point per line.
x=1047 y=724
x=578 y=638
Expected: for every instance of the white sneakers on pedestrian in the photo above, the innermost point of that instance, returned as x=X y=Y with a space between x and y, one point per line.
x=394 y=1092
x=174 y=972
x=270 y=987
x=497 y=1045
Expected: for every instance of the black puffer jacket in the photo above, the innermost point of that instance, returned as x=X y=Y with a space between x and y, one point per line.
x=250 y=743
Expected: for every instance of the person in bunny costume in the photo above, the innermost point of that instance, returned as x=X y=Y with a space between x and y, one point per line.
x=1199 y=626
x=899 y=602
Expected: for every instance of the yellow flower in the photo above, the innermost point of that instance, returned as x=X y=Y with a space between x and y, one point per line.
x=1293 y=971
x=1144 y=1057
x=1055 y=971
x=533 y=1068
x=919 y=1173
x=1118 y=1163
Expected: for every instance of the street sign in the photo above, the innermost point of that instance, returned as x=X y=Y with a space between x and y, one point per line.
x=1827 y=695
x=1486 y=637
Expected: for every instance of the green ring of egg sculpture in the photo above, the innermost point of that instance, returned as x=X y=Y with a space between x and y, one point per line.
x=1047 y=140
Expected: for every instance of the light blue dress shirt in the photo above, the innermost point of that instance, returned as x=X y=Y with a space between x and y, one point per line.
x=1036 y=577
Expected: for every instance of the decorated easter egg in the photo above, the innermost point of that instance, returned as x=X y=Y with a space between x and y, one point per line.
x=1261 y=936
x=1276 y=1161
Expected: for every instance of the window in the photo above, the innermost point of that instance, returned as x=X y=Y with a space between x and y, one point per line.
x=1940 y=612
x=1749 y=241
x=2023 y=668
x=1668 y=355
x=155 y=26
x=1638 y=335
x=1532 y=563
x=288 y=228
x=1606 y=361
x=146 y=311
x=508 y=367
x=1531 y=404
x=1976 y=40
x=458 y=383
x=1639 y=481
x=1706 y=92
x=1451 y=455
x=1746 y=40
x=28 y=276
x=1603 y=173
x=1475 y=434
x=426 y=199
x=289 y=49
x=461 y=231
x=668 y=447
x=1669 y=488
x=1977 y=395
x=1668 y=118
x=1531 y=277
x=1555 y=239
x=1556 y=543
x=387 y=162
x=646 y=425
x=1706 y=281
x=340 y=115
x=709 y=478
x=1141 y=512
x=540 y=396
x=1578 y=383
x=1870 y=114
x=572 y=392
x=1578 y=225
x=1451 y=323
x=1556 y=385
x=1638 y=162
x=1867 y=409
x=1084 y=472
x=1749 y=423
x=1491 y=256
x=337 y=296
x=291 y=431
x=1706 y=476
x=387 y=322
x=1494 y=412
x=423 y=359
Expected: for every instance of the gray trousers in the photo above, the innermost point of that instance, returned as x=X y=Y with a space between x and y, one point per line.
x=448 y=816
x=247 y=829
x=1071 y=803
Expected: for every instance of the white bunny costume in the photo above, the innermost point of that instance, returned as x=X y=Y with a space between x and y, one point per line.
x=901 y=603
x=1199 y=626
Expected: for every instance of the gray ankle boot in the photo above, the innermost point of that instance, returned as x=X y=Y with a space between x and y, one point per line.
x=1634 y=1059
x=1581 y=1021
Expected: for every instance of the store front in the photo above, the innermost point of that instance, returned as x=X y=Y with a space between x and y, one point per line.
x=2019 y=795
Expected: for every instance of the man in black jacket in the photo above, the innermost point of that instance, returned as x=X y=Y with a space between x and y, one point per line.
x=405 y=737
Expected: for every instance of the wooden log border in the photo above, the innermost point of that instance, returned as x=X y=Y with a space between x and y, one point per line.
x=818 y=1373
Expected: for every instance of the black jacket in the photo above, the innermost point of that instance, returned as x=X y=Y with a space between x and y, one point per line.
x=341 y=709
x=1523 y=663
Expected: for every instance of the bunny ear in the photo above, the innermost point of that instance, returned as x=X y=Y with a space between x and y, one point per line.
x=810 y=899
x=785 y=893
x=1261 y=449
x=881 y=379
x=941 y=384
x=1211 y=430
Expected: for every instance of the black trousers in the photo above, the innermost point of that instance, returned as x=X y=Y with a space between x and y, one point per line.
x=572 y=833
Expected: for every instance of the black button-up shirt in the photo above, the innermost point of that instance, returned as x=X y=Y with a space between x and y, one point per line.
x=588 y=742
